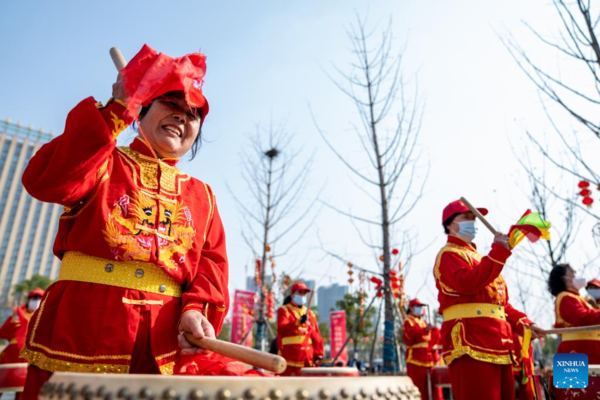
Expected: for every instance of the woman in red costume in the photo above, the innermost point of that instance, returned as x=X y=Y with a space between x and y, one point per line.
x=419 y=338
x=142 y=244
x=15 y=328
x=572 y=309
x=298 y=338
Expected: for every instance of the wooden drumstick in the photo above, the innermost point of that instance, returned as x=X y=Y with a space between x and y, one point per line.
x=117 y=58
x=120 y=63
x=560 y=331
x=479 y=215
x=244 y=354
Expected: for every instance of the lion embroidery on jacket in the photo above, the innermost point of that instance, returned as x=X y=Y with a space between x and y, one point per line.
x=136 y=223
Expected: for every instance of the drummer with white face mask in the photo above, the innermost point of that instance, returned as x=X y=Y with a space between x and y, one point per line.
x=593 y=293
x=15 y=328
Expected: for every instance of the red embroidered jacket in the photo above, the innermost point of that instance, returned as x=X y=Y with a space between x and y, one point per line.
x=300 y=344
x=122 y=204
x=419 y=341
x=463 y=276
x=573 y=310
x=14 y=330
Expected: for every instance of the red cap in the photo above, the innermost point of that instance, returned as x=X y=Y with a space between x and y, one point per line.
x=594 y=282
x=299 y=287
x=36 y=292
x=458 y=207
x=415 y=302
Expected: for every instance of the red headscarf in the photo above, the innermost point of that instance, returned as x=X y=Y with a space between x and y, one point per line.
x=150 y=74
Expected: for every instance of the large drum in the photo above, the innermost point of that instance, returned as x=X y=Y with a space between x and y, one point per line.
x=12 y=377
x=328 y=371
x=183 y=387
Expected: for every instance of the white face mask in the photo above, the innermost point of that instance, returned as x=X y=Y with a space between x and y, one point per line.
x=579 y=283
x=418 y=311
x=467 y=230
x=595 y=293
x=33 y=304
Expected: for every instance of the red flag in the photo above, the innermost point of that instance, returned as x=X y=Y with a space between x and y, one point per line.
x=338 y=335
x=241 y=324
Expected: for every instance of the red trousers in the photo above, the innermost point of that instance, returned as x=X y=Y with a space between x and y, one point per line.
x=418 y=375
x=478 y=380
x=142 y=361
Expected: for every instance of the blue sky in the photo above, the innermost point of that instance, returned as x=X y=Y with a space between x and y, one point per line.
x=268 y=60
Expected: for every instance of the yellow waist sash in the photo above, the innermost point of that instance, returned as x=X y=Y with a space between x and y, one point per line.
x=591 y=335
x=138 y=275
x=474 y=310
x=295 y=340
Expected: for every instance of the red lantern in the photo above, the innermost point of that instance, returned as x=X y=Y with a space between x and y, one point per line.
x=585 y=192
x=583 y=184
x=350 y=280
x=380 y=294
x=395 y=251
x=381 y=258
x=350 y=265
x=268 y=248
x=350 y=272
x=587 y=201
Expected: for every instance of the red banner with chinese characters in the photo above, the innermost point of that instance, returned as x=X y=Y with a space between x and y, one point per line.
x=241 y=323
x=338 y=336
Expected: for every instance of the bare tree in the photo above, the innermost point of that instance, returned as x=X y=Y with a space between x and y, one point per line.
x=387 y=126
x=274 y=219
x=576 y=47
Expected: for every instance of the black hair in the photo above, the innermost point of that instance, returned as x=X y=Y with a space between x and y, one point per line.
x=448 y=221
x=556 y=281
x=197 y=143
x=287 y=300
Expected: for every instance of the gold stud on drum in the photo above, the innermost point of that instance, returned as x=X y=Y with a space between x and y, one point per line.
x=196 y=395
x=275 y=394
x=250 y=394
x=344 y=393
x=122 y=393
x=324 y=394
x=101 y=392
x=86 y=393
x=363 y=393
x=223 y=394
x=358 y=397
x=169 y=394
x=302 y=394
x=145 y=393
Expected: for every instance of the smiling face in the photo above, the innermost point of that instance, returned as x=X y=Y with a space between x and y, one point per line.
x=170 y=125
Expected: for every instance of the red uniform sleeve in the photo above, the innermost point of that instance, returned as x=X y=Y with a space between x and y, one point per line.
x=315 y=335
x=575 y=313
x=413 y=333
x=64 y=170
x=435 y=337
x=9 y=329
x=459 y=275
x=286 y=325
x=517 y=319
x=208 y=292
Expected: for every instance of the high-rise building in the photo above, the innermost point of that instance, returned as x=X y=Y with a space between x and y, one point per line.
x=27 y=226
x=251 y=283
x=328 y=296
